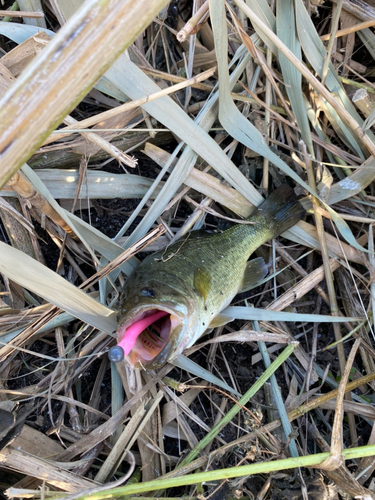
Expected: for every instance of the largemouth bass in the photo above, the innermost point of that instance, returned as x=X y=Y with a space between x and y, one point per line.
x=176 y=294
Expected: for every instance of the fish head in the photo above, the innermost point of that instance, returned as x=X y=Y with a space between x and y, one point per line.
x=157 y=320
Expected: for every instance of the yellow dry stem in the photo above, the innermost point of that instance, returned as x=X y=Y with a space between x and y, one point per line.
x=64 y=72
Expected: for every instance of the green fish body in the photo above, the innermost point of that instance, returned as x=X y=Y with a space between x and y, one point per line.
x=194 y=279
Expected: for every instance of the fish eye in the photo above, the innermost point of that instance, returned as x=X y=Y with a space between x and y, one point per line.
x=148 y=292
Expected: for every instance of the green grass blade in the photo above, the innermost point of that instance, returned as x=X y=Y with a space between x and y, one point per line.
x=18 y=33
x=368 y=39
x=68 y=7
x=36 y=277
x=243 y=401
x=187 y=364
x=277 y=396
x=354 y=183
x=253 y=313
x=62 y=184
x=241 y=129
x=311 y=115
x=134 y=83
x=104 y=245
x=124 y=73
x=315 y=52
x=346 y=135
x=232 y=472
x=90 y=237
x=286 y=31
x=32 y=6
x=305 y=234
x=370 y=120
x=263 y=10
x=230 y=117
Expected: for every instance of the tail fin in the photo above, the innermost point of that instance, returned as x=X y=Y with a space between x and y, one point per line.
x=281 y=210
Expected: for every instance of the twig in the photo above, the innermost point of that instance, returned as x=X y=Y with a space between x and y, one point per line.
x=351 y=29
x=191 y=25
x=21 y=13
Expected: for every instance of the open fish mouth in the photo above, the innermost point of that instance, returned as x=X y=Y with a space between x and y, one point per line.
x=144 y=337
x=153 y=338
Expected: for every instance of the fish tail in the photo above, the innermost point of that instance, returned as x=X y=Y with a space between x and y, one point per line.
x=281 y=210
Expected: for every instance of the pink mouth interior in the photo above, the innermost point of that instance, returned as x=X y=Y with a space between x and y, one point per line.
x=150 y=341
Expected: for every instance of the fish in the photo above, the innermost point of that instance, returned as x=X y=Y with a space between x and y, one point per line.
x=178 y=293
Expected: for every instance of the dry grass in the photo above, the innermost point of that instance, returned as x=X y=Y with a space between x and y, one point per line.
x=162 y=139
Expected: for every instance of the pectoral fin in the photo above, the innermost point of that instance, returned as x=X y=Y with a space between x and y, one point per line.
x=202 y=282
x=255 y=271
x=220 y=320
